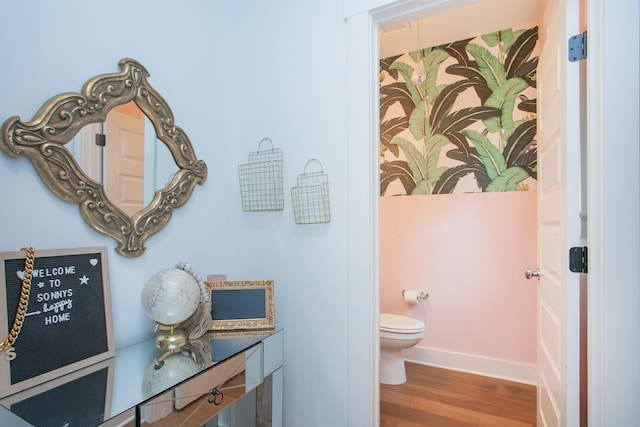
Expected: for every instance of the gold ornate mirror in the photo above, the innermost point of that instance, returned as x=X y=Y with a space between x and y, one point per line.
x=43 y=140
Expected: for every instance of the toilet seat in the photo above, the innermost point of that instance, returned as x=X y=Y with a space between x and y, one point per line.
x=398 y=324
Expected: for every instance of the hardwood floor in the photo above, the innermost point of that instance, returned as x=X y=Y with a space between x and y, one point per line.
x=445 y=398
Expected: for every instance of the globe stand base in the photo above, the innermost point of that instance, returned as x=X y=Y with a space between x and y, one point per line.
x=170 y=338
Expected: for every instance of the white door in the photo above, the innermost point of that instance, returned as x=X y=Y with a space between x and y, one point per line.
x=124 y=161
x=558 y=218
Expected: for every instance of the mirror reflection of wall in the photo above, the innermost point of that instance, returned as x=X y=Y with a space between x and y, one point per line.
x=132 y=164
x=159 y=164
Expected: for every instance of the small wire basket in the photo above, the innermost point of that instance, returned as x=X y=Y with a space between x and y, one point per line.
x=311 y=196
x=261 y=180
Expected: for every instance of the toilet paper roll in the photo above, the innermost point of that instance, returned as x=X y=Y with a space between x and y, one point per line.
x=411 y=297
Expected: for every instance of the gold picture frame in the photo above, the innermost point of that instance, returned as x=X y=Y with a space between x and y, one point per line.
x=241 y=305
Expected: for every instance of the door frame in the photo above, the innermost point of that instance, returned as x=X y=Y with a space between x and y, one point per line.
x=613 y=293
x=611 y=309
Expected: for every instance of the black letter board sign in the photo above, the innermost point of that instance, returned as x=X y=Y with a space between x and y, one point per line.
x=68 y=323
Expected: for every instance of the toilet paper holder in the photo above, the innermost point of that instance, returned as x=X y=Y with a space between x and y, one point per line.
x=421 y=295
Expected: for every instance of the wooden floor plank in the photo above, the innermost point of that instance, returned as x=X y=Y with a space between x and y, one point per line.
x=440 y=397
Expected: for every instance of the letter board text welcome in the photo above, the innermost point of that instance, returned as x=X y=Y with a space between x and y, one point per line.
x=68 y=323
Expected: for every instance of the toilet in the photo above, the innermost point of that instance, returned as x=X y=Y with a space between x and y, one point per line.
x=396 y=334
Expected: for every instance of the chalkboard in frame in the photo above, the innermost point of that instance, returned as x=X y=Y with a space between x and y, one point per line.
x=241 y=305
x=68 y=323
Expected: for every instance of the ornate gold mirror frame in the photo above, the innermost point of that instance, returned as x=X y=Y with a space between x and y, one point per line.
x=43 y=141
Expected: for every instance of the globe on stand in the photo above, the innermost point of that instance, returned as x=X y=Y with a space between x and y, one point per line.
x=170 y=297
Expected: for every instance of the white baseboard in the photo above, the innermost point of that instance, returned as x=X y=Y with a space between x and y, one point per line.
x=512 y=371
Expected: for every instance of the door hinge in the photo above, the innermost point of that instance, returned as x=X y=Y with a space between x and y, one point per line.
x=578 y=47
x=578 y=259
x=101 y=139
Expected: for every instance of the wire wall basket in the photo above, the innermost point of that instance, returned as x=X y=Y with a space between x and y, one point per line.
x=311 y=196
x=261 y=180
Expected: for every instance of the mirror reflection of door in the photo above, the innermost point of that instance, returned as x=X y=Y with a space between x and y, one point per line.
x=133 y=163
x=119 y=163
x=124 y=157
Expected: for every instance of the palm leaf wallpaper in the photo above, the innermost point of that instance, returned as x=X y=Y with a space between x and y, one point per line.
x=470 y=126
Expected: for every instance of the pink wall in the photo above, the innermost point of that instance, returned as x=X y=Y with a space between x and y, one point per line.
x=469 y=251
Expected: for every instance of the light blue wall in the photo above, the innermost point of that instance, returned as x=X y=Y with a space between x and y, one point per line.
x=292 y=55
x=54 y=47
x=233 y=73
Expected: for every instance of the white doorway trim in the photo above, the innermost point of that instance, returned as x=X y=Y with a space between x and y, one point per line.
x=363 y=191
x=613 y=205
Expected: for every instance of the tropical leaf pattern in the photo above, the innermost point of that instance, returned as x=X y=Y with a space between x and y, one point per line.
x=470 y=126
